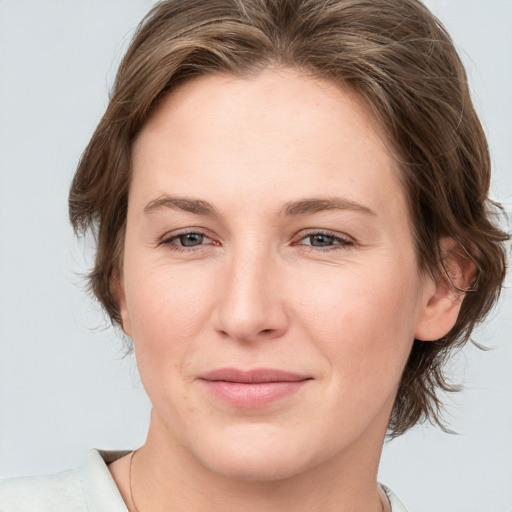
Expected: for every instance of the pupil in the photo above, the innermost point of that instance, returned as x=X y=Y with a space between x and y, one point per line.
x=191 y=239
x=322 y=240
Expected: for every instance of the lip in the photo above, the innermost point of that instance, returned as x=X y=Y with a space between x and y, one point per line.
x=252 y=389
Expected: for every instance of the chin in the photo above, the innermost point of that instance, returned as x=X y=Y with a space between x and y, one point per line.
x=257 y=455
x=261 y=467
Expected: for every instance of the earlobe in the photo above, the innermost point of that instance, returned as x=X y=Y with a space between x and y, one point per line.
x=444 y=295
x=120 y=296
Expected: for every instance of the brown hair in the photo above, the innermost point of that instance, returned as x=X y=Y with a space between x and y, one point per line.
x=397 y=56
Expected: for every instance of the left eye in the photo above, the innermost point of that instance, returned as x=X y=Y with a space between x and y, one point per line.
x=323 y=240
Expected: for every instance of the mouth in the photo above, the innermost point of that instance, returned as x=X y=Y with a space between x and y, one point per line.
x=252 y=389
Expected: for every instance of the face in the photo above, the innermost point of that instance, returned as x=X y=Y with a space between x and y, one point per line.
x=269 y=284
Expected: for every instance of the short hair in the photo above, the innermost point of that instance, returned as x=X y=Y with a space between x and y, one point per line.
x=400 y=61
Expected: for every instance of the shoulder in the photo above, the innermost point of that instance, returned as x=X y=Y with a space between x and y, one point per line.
x=59 y=492
x=87 y=489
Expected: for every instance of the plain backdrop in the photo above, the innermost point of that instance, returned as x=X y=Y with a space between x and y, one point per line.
x=64 y=384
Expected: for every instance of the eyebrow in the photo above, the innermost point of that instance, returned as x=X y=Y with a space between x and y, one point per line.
x=315 y=205
x=196 y=206
x=301 y=207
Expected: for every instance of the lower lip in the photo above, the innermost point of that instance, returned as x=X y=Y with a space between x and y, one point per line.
x=252 y=395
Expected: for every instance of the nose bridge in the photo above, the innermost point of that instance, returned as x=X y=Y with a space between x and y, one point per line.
x=251 y=305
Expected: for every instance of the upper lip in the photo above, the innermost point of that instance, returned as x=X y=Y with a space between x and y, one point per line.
x=254 y=376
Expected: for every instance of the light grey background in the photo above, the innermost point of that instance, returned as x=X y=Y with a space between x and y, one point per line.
x=64 y=385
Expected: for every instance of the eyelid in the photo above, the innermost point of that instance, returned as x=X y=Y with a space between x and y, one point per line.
x=168 y=238
x=343 y=239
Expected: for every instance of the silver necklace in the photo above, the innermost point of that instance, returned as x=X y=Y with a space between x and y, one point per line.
x=130 y=482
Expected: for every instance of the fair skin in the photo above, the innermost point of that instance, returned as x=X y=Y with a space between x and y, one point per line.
x=267 y=229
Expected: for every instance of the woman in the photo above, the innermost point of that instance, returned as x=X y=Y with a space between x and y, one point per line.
x=293 y=227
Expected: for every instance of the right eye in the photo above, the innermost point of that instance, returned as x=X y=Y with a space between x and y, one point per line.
x=188 y=240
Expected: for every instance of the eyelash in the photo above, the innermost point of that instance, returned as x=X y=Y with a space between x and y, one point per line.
x=168 y=242
x=338 y=242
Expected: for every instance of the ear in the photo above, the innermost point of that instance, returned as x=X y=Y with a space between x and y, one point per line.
x=444 y=295
x=120 y=296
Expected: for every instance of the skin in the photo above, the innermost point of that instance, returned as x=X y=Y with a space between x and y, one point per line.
x=333 y=293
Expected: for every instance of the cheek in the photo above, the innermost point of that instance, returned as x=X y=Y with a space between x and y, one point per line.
x=168 y=313
x=363 y=322
x=168 y=308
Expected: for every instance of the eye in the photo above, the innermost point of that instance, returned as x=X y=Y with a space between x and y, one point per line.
x=320 y=240
x=182 y=241
x=325 y=240
x=189 y=239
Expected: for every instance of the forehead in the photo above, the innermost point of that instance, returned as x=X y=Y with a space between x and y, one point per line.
x=269 y=99
x=277 y=131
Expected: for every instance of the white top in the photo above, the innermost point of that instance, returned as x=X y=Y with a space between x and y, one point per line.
x=90 y=488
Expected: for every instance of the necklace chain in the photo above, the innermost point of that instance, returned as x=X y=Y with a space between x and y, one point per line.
x=384 y=499
x=386 y=506
x=130 y=482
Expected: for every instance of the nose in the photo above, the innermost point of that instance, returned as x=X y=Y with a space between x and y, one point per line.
x=251 y=303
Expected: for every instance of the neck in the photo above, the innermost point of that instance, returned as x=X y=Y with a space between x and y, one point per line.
x=166 y=475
